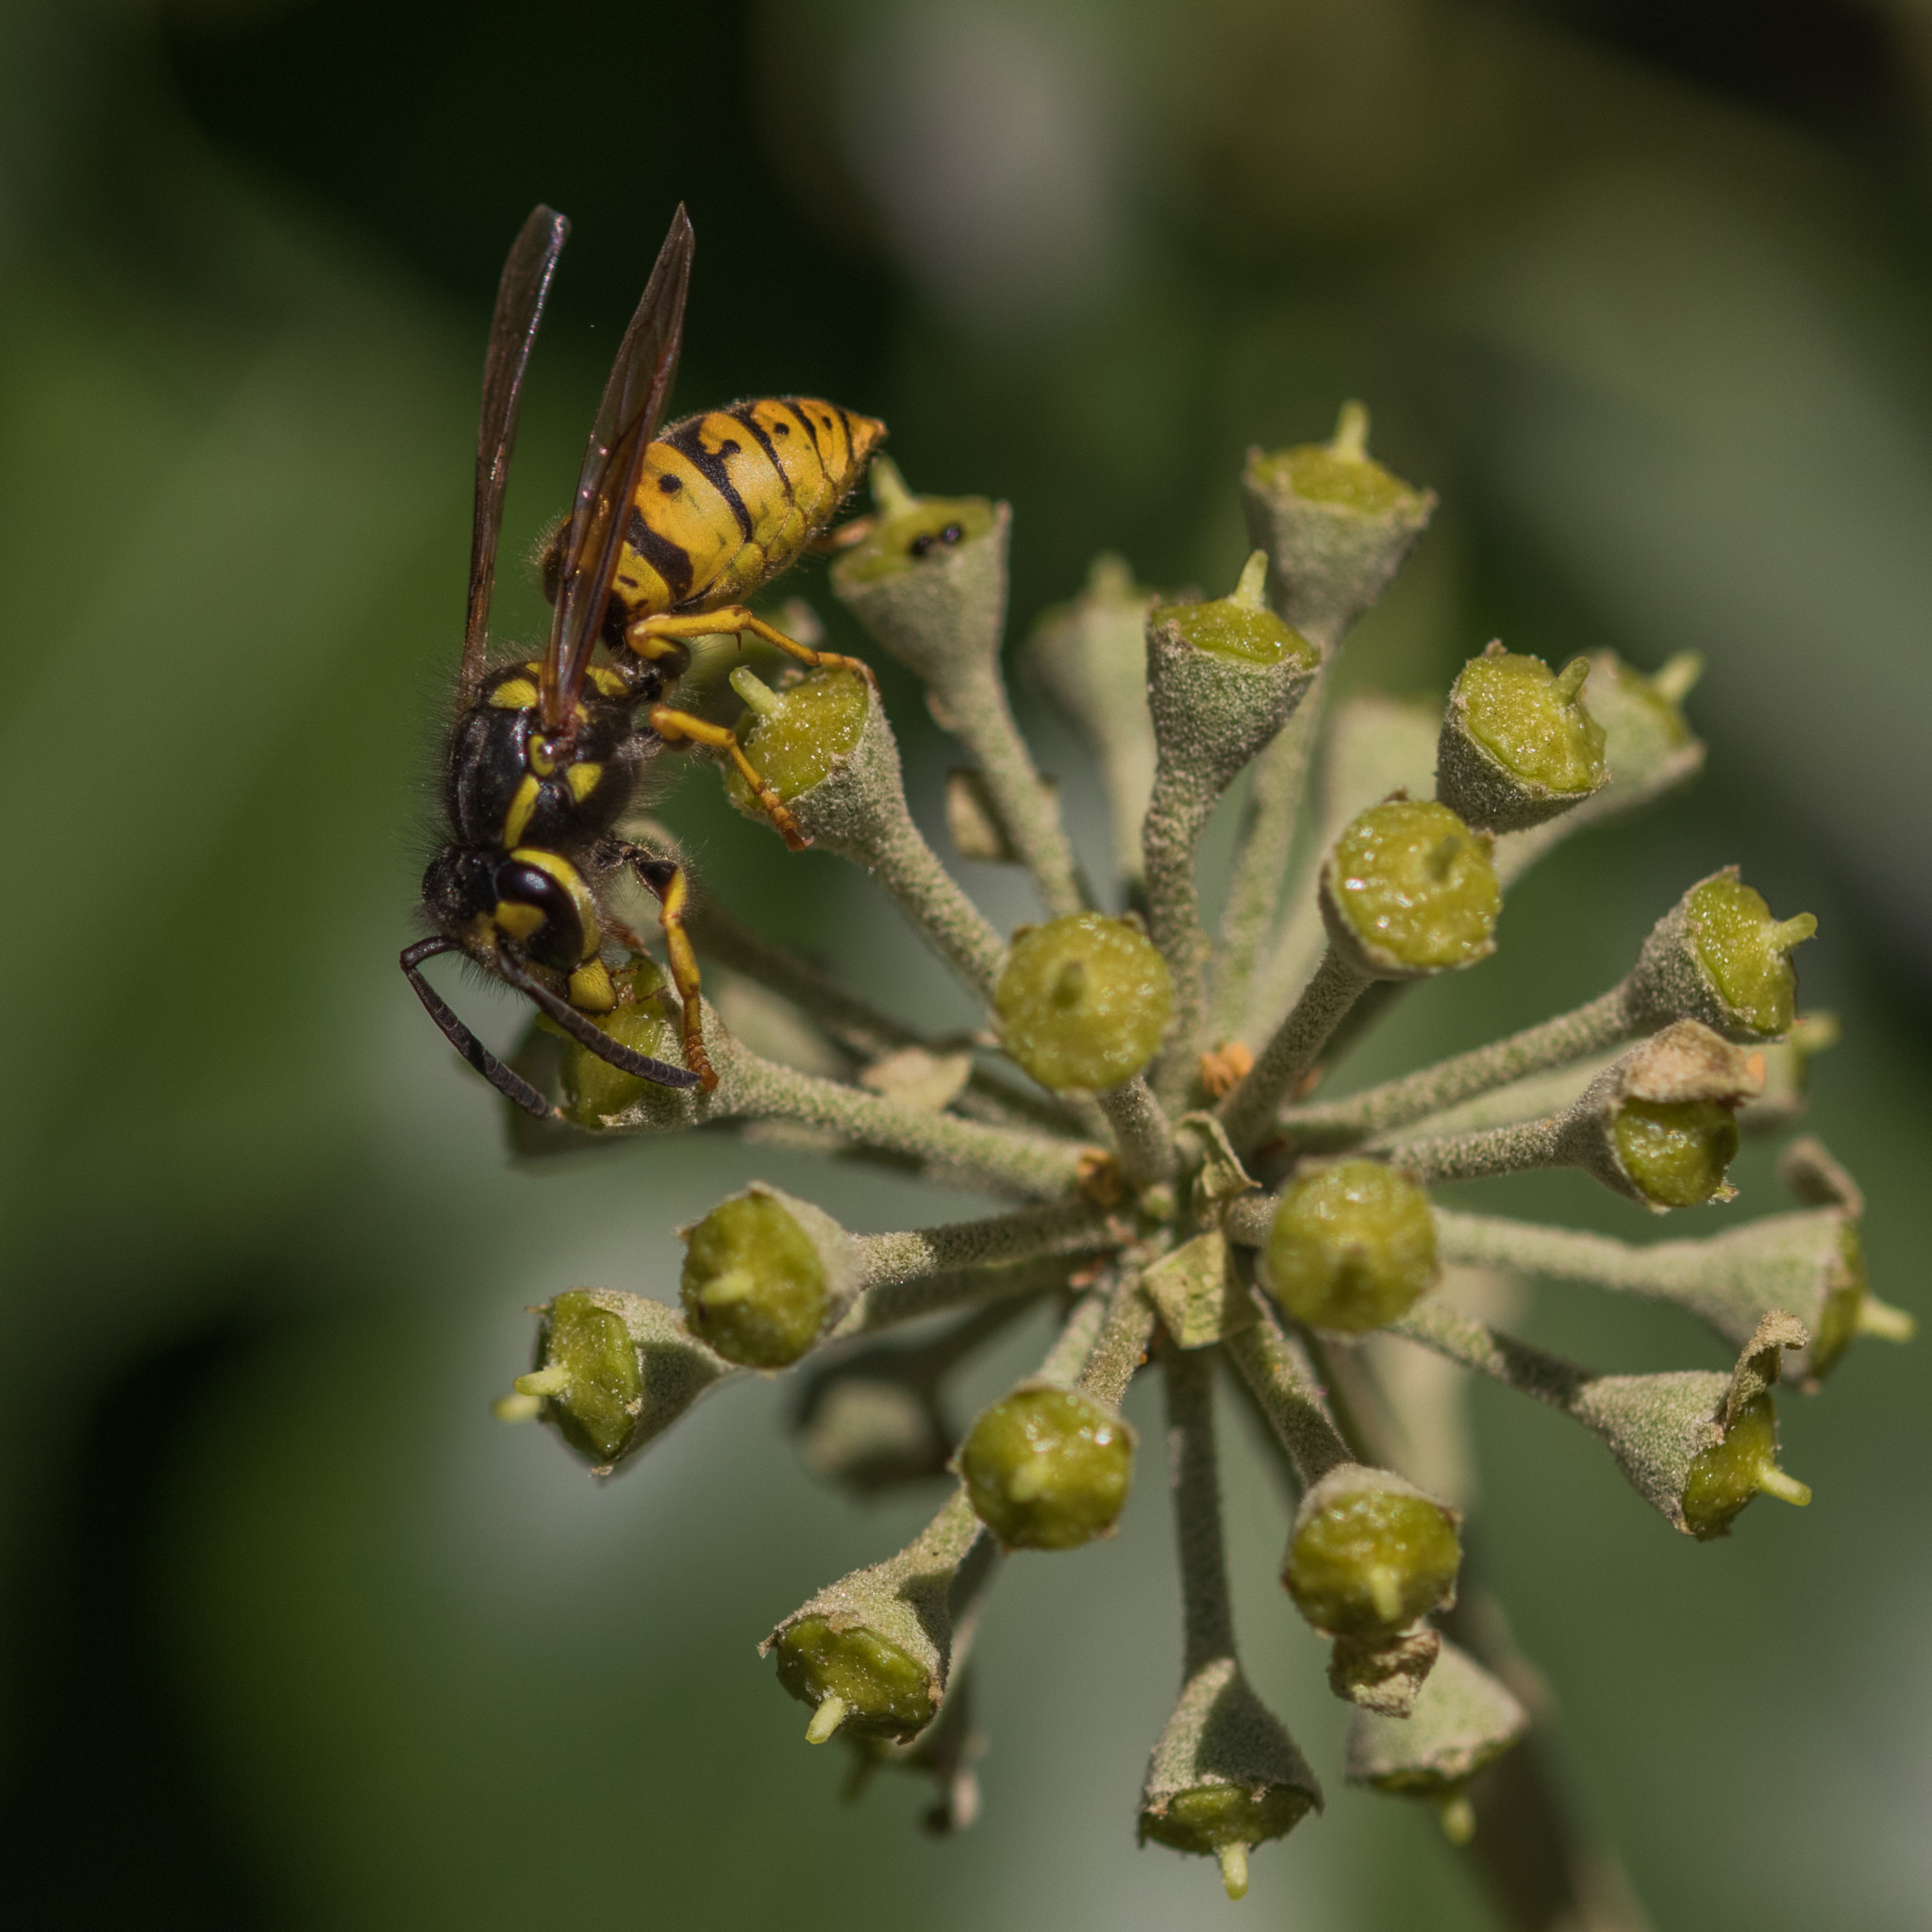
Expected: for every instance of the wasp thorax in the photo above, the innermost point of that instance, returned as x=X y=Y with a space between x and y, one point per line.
x=1352 y=1247
x=1746 y=952
x=1517 y=745
x=1083 y=1001
x=1048 y=1467
x=588 y=1378
x=1371 y=1554
x=1409 y=890
x=762 y=1274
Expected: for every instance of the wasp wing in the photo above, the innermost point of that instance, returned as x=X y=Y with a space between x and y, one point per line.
x=626 y=418
x=520 y=298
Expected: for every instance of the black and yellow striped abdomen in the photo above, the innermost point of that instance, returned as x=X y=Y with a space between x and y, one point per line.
x=729 y=499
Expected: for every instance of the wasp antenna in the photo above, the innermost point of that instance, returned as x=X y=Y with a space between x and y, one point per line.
x=512 y=1085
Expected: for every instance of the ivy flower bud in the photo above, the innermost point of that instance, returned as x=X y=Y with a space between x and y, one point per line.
x=1223 y=679
x=764 y=1275
x=1462 y=1719
x=1409 y=891
x=1371 y=1554
x=1659 y=1125
x=1517 y=745
x=799 y=735
x=1335 y=524
x=1698 y=1446
x=929 y=580
x=1352 y=1246
x=1083 y=1002
x=1718 y=955
x=872 y=1652
x=596 y=1094
x=1047 y=1468
x=613 y=1372
x=1225 y=1777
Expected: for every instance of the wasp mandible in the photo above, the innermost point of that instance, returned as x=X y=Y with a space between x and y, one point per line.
x=666 y=538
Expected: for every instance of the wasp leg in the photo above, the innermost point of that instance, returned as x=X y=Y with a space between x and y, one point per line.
x=512 y=1086
x=587 y=1033
x=734 y=620
x=670 y=725
x=666 y=879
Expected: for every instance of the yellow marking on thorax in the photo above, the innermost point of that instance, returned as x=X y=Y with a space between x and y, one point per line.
x=608 y=681
x=583 y=778
x=521 y=805
x=514 y=694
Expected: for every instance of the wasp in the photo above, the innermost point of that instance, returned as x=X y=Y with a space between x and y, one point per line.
x=666 y=538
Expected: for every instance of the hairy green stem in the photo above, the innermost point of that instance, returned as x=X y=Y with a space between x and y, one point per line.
x=1121 y=1345
x=1602 y=1022
x=1282 y=1380
x=1142 y=1134
x=1248 y=1112
x=1208 y=1617
x=1260 y=873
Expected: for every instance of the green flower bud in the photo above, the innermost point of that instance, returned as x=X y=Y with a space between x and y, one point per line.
x=929 y=581
x=1675 y=1152
x=855 y=1678
x=1223 y=679
x=1409 y=890
x=1352 y=1246
x=764 y=1275
x=1462 y=1719
x=596 y=1094
x=1745 y=950
x=1371 y=1554
x=1517 y=745
x=1047 y=1468
x=1698 y=1446
x=1659 y=1125
x=1335 y=524
x=1083 y=1001
x=798 y=736
x=1238 y=628
x=1718 y=955
x=613 y=1372
x=874 y=1651
x=1225 y=1777
x=1744 y=1464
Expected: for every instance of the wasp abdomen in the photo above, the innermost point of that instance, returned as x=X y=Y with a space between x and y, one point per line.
x=729 y=499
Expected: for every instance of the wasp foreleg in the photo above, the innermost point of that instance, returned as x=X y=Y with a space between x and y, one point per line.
x=667 y=881
x=670 y=725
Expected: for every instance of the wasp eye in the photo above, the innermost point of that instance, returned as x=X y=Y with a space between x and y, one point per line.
x=536 y=910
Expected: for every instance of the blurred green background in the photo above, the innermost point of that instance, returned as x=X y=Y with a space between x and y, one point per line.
x=297 y=1635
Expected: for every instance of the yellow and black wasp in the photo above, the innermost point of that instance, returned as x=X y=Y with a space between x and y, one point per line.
x=667 y=537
